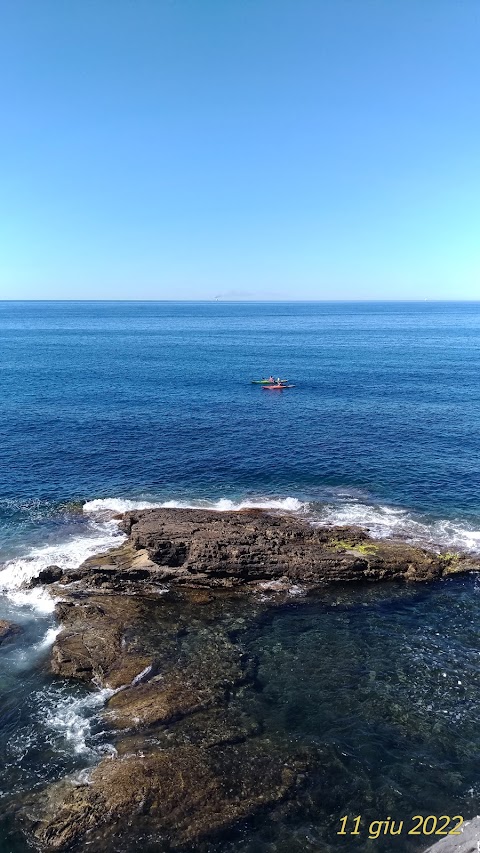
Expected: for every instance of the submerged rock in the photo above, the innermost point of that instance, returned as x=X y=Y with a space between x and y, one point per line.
x=177 y=796
x=195 y=683
x=8 y=630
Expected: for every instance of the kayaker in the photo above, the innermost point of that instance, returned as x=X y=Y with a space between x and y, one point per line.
x=271 y=378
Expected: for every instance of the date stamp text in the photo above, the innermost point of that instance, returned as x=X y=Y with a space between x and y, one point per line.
x=418 y=825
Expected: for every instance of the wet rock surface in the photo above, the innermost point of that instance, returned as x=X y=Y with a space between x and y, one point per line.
x=176 y=796
x=51 y=574
x=247 y=549
x=8 y=630
x=191 y=759
x=161 y=622
x=94 y=645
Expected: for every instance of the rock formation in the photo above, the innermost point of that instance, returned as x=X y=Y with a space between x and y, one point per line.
x=8 y=630
x=249 y=549
x=159 y=621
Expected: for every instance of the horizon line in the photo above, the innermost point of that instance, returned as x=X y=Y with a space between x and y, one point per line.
x=247 y=301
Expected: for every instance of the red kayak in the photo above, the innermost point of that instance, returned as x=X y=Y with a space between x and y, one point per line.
x=276 y=387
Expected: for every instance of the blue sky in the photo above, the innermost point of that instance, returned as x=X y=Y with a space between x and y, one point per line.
x=250 y=149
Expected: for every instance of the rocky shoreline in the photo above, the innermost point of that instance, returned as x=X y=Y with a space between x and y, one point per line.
x=250 y=549
x=159 y=622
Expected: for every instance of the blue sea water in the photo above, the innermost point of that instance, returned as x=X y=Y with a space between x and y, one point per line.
x=110 y=399
x=131 y=403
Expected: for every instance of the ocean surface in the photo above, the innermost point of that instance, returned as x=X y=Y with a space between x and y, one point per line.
x=115 y=405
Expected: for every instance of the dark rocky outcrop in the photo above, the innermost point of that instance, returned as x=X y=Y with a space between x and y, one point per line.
x=250 y=549
x=51 y=574
x=8 y=630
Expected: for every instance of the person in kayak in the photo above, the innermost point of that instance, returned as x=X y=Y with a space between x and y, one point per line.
x=271 y=378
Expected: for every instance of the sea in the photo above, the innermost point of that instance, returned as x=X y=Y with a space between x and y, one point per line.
x=107 y=406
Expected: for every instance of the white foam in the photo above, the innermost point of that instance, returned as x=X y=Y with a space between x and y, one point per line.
x=384 y=521
x=49 y=638
x=38 y=599
x=296 y=590
x=117 y=505
x=69 y=717
x=380 y=520
x=456 y=534
x=68 y=554
x=120 y=505
x=141 y=675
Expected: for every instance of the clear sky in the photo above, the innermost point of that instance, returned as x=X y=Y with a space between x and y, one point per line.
x=247 y=149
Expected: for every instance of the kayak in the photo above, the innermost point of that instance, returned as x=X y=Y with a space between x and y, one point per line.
x=264 y=381
x=277 y=387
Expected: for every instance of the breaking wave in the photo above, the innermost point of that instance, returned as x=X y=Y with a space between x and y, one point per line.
x=73 y=719
x=120 y=505
x=384 y=521
x=101 y=532
x=66 y=722
x=380 y=520
x=15 y=573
